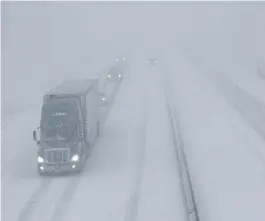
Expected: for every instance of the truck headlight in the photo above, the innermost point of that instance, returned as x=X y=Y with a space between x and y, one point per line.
x=40 y=159
x=75 y=158
x=109 y=76
x=119 y=75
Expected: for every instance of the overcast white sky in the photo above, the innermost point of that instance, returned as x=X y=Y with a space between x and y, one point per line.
x=45 y=41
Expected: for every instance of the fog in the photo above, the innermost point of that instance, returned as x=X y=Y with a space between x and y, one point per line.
x=45 y=41
x=204 y=97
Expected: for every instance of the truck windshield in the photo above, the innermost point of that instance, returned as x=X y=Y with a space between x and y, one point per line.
x=60 y=119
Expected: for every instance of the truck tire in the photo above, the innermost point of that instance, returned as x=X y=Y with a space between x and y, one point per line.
x=81 y=167
x=79 y=170
x=41 y=173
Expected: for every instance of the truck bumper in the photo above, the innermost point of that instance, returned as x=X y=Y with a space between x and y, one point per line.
x=59 y=168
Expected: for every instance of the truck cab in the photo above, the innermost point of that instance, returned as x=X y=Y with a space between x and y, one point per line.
x=69 y=126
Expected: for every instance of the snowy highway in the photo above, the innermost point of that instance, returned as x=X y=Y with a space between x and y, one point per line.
x=131 y=174
x=221 y=147
x=182 y=137
x=133 y=171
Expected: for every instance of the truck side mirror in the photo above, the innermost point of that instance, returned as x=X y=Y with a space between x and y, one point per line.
x=35 y=135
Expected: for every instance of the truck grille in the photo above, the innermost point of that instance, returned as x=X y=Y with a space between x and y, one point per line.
x=57 y=156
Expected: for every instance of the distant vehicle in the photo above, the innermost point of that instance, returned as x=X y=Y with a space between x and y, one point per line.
x=103 y=100
x=69 y=126
x=152 y=61
x=102 y=93
x=115 y=74
x=121 y=59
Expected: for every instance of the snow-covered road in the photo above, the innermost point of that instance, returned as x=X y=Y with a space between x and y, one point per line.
x=210 y=76
x=132 y=173
x=226 y=169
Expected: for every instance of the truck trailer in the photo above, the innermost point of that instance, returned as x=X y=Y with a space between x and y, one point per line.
x=69 y=126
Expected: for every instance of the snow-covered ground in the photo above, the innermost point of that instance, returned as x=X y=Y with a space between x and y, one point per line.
x=225 y=155
x=248 y=105
x=132 y=173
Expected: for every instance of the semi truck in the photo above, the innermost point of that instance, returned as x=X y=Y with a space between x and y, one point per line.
x=69 y=126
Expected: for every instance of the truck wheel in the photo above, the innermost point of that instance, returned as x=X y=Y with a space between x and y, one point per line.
x=81 y=166
x=78 y=171
x=41 y=173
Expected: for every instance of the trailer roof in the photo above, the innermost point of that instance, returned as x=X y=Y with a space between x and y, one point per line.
x=71 y=87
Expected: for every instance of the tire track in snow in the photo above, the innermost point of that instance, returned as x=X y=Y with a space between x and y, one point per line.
x=53 y=211
x=63 y=202
x=66 y=195
x=131 y=212
x=34 y=200
x=184 y=175
x=186 y=184
x=132 y=206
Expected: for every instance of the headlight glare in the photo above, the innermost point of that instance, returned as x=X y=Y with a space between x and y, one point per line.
x=75 y=158
x=40 y=159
